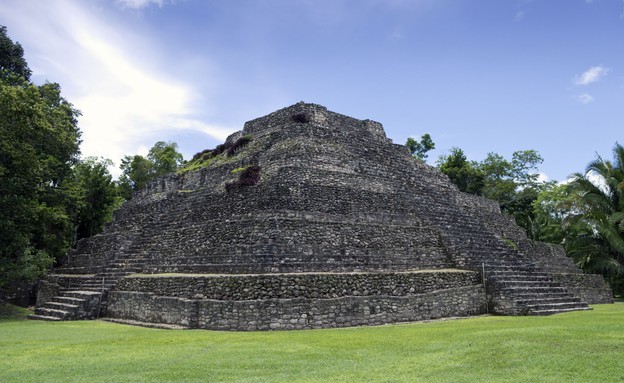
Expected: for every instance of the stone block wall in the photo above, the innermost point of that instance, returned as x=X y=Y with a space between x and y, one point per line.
x=299 y=313
x=591 y=288
x=296 y=301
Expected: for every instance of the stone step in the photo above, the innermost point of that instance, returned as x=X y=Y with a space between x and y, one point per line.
x=81 y=293
x=555 y=306
x=518 y=277
x=60 y=306
x=550 y=296
x=509 y=269
x=61 y=314
x=146 y=324
x=536 y=290
x=69 y=300
x=525 y=283
x=99 y=285
x=108 y=272
x=95 y=290
x=513 y=278
x=560 y=299
x=44 y=317
x=557 y=311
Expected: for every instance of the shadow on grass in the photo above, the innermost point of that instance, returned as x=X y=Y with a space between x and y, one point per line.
x=12 y=312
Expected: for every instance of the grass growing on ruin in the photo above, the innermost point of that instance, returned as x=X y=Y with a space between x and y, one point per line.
x=578 y=346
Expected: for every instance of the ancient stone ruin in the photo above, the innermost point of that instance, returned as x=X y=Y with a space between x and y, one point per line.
x=318 y=221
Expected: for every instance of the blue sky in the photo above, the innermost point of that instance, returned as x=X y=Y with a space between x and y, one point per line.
x=482 y=75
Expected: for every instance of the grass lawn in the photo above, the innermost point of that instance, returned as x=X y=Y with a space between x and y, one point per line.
x=571 y=347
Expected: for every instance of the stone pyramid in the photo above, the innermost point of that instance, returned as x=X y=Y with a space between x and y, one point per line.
x=309 y=219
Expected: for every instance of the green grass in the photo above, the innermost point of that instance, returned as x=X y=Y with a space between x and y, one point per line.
x=11 y=312
x=572 y=347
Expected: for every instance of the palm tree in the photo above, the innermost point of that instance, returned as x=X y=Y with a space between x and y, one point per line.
x=596 y=224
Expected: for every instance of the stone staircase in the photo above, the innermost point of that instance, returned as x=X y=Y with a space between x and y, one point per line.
x=515 y=285
x=86 y=299
x=516 y=288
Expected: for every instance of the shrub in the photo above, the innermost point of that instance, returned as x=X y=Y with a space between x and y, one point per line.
x=240 y=143
x=248 y=177
x=301 y=118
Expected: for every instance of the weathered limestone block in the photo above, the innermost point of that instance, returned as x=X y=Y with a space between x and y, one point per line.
x=589 y=287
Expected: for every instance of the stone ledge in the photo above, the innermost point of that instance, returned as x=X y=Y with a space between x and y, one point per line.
x=238 y=287
x=296 y=313
x=145 y=324
x=209 y=275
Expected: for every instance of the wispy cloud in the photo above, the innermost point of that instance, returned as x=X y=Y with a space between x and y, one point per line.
x=585 y=98
x=109 y=74
x=591 y=75
x=520 y=16
x=139 y=4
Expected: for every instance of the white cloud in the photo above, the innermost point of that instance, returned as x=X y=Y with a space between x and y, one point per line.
x=591 y=75
x=138 y=4
x=585 y=98
x=109 y=74
x=542 y=177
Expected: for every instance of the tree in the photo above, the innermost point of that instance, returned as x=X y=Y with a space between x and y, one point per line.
x=165 y=158
x=462 y=173
x=504 y=178
x=596 y=219
x=39 y=144
x=552 y=205
x=12 y=60
x=137 y=171
x=419 y=149
x=513 y=183
x=94 y=197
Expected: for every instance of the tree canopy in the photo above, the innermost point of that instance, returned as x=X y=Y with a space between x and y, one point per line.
x=420 y=148
x=466 y=175
x=513 y=183
x=595 y=221
x=39 y=144
x=138 y=170
x=12 y=62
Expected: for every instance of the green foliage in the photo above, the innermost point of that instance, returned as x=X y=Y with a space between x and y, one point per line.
x=39 y=144
x=503 y=178
x=595 y=222
x=510 y=243
x=420 y=148
x=550 y=208
x=199 y=163
x=94 y=197
x=582 y=346
x=240 y=169
x=136 y=173
x=222 y=153
x=164 y=158
x=513 y=183
x=466 y=175
x=137 y=170
x=12 y=62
